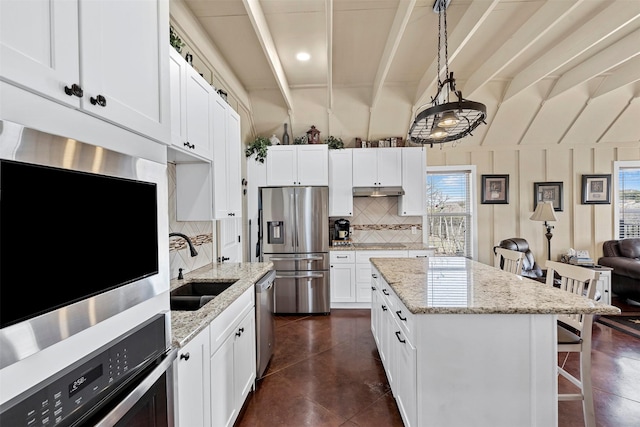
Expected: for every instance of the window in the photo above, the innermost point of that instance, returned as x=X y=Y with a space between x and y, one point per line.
x=450 y=221
x=626 y=196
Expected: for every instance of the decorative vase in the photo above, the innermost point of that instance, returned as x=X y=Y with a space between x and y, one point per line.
x=274 y=140
x=285 y=136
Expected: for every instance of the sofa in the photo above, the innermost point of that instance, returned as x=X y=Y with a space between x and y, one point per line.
x=624 y=257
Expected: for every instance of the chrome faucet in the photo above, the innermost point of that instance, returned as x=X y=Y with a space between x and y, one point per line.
x=192 y=249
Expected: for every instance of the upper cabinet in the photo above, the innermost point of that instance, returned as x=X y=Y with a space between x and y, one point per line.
x=96 y=57
x=377 y=167
x=191 y=108
x=340 y=183
x=414 y=182
x=227 y=152
x=298 y=165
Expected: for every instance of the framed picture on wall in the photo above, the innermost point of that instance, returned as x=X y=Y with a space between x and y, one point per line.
x=495 y=189
x=548 y=192
x=596 y=189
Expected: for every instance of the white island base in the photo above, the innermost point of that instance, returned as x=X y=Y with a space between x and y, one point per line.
x=465 y=344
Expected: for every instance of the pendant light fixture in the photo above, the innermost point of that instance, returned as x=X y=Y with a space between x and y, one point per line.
x=446 y=120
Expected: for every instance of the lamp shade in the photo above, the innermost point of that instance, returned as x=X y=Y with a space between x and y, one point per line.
x=544 y=212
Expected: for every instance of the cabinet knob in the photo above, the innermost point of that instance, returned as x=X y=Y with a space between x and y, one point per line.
x=74 y=90
x=384 y=308
x=185 y=356
x=98 y=100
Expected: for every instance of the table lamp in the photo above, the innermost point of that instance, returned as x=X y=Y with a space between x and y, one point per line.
x=544 y=212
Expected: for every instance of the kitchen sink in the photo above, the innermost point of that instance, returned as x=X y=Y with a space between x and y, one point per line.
x=193 y=295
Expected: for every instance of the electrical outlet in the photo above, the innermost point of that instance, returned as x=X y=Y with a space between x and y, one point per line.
x=414 y=229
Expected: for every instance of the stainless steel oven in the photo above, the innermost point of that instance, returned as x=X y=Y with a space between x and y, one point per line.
x=128 y=382
x=76 y=277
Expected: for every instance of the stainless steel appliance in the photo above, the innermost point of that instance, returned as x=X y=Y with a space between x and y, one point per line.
x=265 y=323
x=294 y=230
x=125 y=383
x=76 y=276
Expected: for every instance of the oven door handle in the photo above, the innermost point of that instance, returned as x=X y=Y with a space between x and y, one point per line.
x=117 y=413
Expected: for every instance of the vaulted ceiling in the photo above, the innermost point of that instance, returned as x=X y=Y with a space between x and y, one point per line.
x=549 y=72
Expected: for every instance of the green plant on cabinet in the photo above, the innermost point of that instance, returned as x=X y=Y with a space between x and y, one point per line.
x=259 y=146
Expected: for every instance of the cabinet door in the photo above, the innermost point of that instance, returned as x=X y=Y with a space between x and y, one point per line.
x=220 y=147
x=343 y=283
x=123 y=57
x=199 y=113
x=365 y=167
x=229 y=241
x=244 y=355
x=31 y=56
x=389 y=164
x=404 y=363
x=414 y=182
x=193 y=382
x=282 y=165
x=312 y=164
x=340 y=182
x=234 y=163
x=178 y=89
x=223 y=402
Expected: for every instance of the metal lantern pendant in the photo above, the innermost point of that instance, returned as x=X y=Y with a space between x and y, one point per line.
x=446 y=120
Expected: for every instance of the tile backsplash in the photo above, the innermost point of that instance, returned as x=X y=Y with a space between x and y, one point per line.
x=201 y=234
x=376 y=220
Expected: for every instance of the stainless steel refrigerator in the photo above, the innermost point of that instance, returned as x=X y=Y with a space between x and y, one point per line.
x=294 y=235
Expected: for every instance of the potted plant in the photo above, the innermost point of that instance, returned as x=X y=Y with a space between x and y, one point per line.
x=175 y=40
x=335 y=143
x=259 y=147
x=299 y=140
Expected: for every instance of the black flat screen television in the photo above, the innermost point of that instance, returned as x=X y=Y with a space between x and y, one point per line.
x=67 y=235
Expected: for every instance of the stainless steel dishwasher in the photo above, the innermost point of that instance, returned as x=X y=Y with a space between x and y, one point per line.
x=264 y=322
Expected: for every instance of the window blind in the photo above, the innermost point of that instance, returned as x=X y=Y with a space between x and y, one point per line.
x=449 y=212
x=629 y=202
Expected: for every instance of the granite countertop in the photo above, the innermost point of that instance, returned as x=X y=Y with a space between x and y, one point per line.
x=187 y=324
x=456 y=285
x=383 y=247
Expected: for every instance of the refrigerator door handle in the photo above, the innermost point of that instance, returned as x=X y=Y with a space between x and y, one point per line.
x=301 y=276
x=308 y=258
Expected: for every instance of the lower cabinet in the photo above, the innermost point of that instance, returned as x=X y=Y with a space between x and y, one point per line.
x=233 y=372
x=217 y=368
x=193 y=382
x=342 y=276
x=389 y=320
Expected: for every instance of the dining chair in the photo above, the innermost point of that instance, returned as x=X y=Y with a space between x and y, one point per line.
x=509 y=260
x=574 y=333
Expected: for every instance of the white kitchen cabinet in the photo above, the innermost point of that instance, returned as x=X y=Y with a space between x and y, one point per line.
x=298 y=165
x=193 y=382
x=414 y=182
x=73 y=52
x=377 y=167
x=194 y=191
x=363 y=271
x=227 y=159
x=342 y=277
x=341 y=182
x=233 y=359
x=191 y=108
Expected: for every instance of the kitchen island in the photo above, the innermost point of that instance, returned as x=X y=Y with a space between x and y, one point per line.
x=464 y=343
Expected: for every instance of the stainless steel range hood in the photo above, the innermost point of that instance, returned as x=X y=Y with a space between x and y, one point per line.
x=377 y=191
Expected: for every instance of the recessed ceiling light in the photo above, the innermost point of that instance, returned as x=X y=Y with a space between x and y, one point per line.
x=303 y=56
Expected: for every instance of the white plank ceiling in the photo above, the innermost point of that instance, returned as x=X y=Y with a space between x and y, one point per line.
x=555 y=71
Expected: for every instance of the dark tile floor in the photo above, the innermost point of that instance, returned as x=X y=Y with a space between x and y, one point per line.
x=326 y=372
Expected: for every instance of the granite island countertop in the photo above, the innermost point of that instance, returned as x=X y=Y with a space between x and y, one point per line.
x=456 y=285
x=187 y=324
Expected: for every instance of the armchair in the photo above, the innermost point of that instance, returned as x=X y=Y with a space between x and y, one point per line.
x=530 y=267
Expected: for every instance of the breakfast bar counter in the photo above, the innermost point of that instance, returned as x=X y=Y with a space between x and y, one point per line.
x=464 y=343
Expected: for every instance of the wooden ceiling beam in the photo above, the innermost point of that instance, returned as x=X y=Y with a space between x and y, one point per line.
x=329 y=23
x=403 y=13
x=259 y=23
x=540 y=23
x=626 y=74
x=612 y=19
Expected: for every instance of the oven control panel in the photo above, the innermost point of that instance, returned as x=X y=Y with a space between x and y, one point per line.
x=65 y=398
